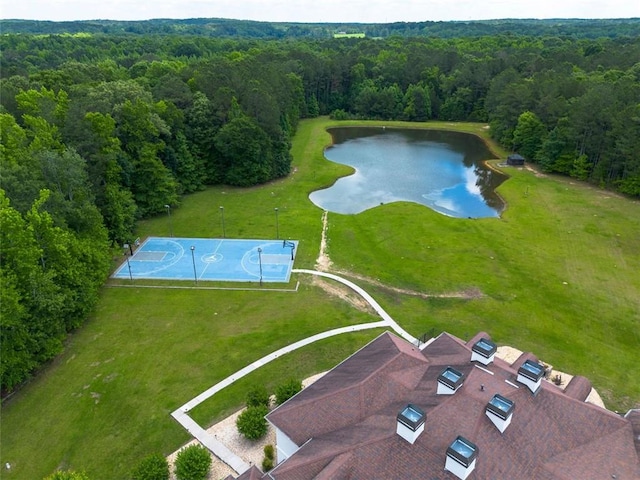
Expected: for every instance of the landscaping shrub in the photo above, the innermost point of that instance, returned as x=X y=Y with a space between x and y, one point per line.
x=269 y=457
x=258 y=396
x=269 y=452
x=267 y=464
x=251 y=423
x=287 y=390
x=339 y=114
x=193 y=463
x=152 y=467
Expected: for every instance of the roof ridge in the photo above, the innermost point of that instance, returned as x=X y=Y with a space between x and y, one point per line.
x=340 y=448
x=304 y=402
x=339 y=461
x=363 y=380
x=408 y=348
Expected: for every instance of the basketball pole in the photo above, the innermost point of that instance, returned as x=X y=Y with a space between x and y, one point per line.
x=129 y=266
x=224 y=234
x=193 y=260
x=168 y=207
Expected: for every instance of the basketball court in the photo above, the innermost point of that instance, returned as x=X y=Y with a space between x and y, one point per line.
x=208 y=259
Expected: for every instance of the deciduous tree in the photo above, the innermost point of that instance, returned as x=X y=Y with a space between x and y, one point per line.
x=529 y=135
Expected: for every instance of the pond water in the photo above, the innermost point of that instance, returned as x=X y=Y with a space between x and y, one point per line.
x=442 y=170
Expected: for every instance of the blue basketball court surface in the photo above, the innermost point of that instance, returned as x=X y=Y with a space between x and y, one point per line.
x=208 y=259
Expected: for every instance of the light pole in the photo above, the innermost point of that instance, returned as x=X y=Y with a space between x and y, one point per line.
x=277 y=225
x=260 y=263
x=224 y=234
x=129 y=266
x=168 y=207
x=193 y=260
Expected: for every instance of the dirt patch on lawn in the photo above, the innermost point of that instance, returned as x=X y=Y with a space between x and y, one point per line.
x=323 y=262
x=536 y=172
x=467 y=294
x=344 y=293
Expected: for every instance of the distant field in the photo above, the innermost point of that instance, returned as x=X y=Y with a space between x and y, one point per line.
x=349 y=35
x=556 y=275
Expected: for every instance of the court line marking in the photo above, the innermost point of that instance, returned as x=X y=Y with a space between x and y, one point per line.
x=272 y=273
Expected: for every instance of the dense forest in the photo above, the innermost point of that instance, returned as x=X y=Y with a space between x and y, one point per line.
x=230 y=28
x=100 y=130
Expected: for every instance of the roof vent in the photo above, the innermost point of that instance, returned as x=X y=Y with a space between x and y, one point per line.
x=483 y=351
x=530 y=374
x=461 y=457
x=500 y=410
x=449 y=381
x=410 y=423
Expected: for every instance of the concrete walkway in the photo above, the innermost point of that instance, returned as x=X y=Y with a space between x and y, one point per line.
x=219 y=449
x=211 y=443
x=360 y=291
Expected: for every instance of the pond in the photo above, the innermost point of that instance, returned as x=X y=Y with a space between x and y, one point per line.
x=442 y=170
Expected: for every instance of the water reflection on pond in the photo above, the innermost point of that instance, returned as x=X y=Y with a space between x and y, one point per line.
x=441 y=170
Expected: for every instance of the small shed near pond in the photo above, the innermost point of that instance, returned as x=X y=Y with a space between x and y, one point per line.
x=515 y=159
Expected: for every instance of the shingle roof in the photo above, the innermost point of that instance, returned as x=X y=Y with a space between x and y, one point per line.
x=253 y=473
x=345 y=422
x=383 y=372
x=578 y=388
x=634 y=417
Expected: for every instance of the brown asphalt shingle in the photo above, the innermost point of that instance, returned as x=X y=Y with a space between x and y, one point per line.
x=579 y=388
x=345 y=422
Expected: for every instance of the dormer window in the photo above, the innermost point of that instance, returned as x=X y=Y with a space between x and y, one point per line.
x=500 y=410
x=483 y=351
x=410 y=423
x=530 y=374
x=449 y=381
x=461 y=457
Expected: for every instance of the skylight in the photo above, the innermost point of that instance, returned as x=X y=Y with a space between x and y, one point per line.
x=483 y=351
x=500 y=406
x=500 y=411
x=461 y=457
x=530 y=374
x=410 y=423
x=451 y=374
x=485 y=347
x=532 y=370
x=463 y=449
x=449 y=381
x=411 y=416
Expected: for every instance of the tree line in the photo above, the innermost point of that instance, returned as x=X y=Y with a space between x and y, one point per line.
x=88 y=147
x=231 y=28
x=98 y=131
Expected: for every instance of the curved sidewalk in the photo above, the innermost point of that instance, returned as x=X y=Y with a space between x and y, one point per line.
x=217 y=447
x=359 y=290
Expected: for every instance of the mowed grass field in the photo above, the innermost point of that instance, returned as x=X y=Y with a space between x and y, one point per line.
x=556 y=275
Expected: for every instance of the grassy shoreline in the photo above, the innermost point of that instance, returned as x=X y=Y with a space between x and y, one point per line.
x=556 y=275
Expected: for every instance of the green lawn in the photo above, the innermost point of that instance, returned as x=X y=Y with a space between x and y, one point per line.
x=558 y=274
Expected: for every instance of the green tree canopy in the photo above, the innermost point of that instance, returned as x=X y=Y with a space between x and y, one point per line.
x=251 y=423
x=193 y=463
x=245 y=151
x=529 y=135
